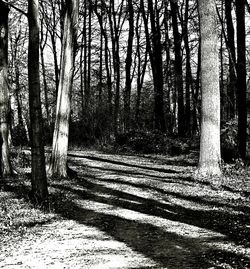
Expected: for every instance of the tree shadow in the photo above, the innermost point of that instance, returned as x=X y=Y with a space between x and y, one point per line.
x=218 y=221
x=167 y=249
x=94 y=158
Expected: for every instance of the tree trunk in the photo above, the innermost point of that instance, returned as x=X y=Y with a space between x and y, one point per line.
x=232 y=59
x=39 y=181
x=58 y=163
x=127 y=91
x=178 y=68
x=116 y=63
x=45 y=85
x=241 y=77
x=157 y=69
x=4 y=95
x=188 y=80
x=210 y=155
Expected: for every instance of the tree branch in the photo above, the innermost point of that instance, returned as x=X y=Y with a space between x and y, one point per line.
x=16 y=8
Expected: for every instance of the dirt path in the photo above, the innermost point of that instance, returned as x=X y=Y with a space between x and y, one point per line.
x=137 y=212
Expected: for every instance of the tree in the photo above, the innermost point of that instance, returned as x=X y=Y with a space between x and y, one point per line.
x=210 y=155
x=232 y=58
x=127 y=91
x=38 y=180
x=241 y=77
x=178 y=68
x=58 y=163
x=155 y=55
x=4 y=95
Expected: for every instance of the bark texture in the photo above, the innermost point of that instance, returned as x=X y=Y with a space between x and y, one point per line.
x=58 y=164
x=210 y=155
x=241 y=77
x=4 y=94
x=39 y=181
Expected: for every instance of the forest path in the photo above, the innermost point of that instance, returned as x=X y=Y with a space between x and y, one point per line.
x=137 y=212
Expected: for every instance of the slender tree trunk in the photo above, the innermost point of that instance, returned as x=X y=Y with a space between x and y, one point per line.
x=86 y=89
x=58 y=163
x=4 y=94
x=188 y=80
x=127 y=91
x=39 y=181
x=195 y=93
x=223 y=103
x=210 y=155
x=106 y=57
x=45 y=85
x=81 y=74
x=100 y=71
x=178 y=68
x=116 y=63
x=232 y=59
x=241 y=77
x=141 y=69
x=89 y=47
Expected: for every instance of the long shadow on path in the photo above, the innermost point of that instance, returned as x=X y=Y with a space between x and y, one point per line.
x=168 y=249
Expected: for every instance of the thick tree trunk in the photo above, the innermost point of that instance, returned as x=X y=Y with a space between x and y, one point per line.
x=4 y=94
x=210 y=155
x=39 y=181
x=58 y=163
x=241 y=77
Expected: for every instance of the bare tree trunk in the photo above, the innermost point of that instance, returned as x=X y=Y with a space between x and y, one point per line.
x=45 y=85
x=156 y=64
x=232 y=59
x=114 y=30
x=86 y=89
x=195 y=93
x=39 y=181
x=210 y=155
x=241 y=77
x=58 y=163
x=4 y=94
x=188 y=81
x=89 y=48
x=178 y=68
x=141 y=69
x=127 y=91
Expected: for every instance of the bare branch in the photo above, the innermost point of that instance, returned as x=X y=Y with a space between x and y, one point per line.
x=16 y=8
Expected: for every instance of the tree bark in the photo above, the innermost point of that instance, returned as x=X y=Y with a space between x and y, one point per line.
x=127 y=91
x=241 y=77
x=39 y=181
x=58 y=163
x=210 y=155
x=178 y=68
x=156 y=63
x=6 y=168
x=188 y=80
x=232 y=59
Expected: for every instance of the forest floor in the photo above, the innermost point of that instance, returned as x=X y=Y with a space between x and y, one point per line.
x=124 y=211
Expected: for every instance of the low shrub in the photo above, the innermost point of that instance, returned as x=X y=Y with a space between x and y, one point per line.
x=148 y=142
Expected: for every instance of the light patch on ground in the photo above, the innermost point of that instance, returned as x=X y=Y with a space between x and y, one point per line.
x=169 y=226
x=67 y=244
